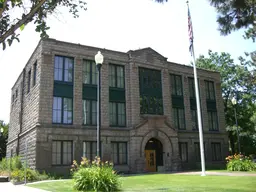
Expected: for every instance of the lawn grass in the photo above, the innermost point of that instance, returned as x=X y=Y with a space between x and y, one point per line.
x=169 y=182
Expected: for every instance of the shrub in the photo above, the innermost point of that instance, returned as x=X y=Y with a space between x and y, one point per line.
x=95 y=176
x=240 y=162
x=12 y=163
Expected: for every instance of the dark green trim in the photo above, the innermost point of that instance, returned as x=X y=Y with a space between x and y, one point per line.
x=92 y=64
x=212 y=122
x=89 y=92
x=126 y=152
x=63 y=89
x=175 y=83
x=61 y=152
x=207 y=89
x=116 y=95
x=91 y=142
x=177 y=101
x=62 y=111
x=117 y=114
x=178 y=117
x=63 y=69
x=151 y=100
x=90 y=103
x=211 y=105
x=115 y=67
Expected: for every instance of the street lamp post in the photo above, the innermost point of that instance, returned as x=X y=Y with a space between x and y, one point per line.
x=234 y=102
x=98 y=60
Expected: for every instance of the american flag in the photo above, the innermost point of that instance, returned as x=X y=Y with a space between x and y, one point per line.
x=190 y=33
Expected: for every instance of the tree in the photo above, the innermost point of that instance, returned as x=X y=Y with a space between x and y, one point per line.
x=237 y=80
x=16 y=14
x=236 y=14
x=3 y=139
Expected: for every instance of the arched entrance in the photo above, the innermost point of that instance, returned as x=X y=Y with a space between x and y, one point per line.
x=153 y=154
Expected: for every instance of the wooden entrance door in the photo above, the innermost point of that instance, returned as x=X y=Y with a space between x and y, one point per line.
x=150 y=160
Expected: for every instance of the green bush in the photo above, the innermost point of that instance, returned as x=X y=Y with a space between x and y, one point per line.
x=12 y=163
x=19 y=175
x=95 y=176
x=239 y=162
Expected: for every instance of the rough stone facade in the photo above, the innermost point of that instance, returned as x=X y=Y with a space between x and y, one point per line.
x=31 y=113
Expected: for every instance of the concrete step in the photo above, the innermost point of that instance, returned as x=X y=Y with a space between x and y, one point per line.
x=4 y=178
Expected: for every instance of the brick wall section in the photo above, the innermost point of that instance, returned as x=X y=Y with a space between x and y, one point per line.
x=78 y=92
x=30 y=107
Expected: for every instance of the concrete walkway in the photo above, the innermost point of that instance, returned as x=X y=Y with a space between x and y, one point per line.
x=8 y=186
x=218 y=173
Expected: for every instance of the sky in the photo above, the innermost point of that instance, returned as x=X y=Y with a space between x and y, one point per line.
x=124 y=25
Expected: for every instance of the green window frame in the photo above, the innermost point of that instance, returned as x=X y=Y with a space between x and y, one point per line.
x=191 y=84
x=183 y=151
x=117 y=114
x=62 y=110
x=151 y=99
x=90 y=149
x=197 y=151
x=216 y=151
x=176 y=85
x=90 y=72
x=119 y=153
x=29 y=81
x=179 y=118
x=116 y=76
x=89 y=112
x=34 y=73
x=209 y=90
x=62 y=152
x=213 y=121
x=63 y=69
x=194 y=119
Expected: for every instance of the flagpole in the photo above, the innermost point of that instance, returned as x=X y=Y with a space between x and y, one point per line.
x=198 y=111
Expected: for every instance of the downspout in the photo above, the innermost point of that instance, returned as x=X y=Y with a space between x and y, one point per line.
x=21 y=108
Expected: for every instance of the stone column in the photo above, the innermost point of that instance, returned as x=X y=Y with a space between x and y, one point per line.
x=166 y=94
x=77 y=92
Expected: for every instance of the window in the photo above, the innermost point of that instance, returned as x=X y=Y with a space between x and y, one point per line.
x=116 y=76
x=90 y=112
x=62 y=110
x=209 y=89
x=89 y=72
x=62 y=152
x=16 y=93
x=90 y=149
x=151 y=101
x=13 y=98
x=191 y=85
x=183 y=149
x=194 y=119
x=216 y=151
x=29 y=78
x=179 y=118
x=117 y=114
x=176 y=83
x=35 y=73
x=119 y=153
x=197 y=151
x=213 y=121
x=63 y=69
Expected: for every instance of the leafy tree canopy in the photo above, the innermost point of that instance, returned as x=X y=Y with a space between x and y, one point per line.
x=236 y=14
x=3 y=139
x=16 y=14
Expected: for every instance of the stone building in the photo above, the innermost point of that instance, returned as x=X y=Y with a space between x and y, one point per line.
x=149 y=120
